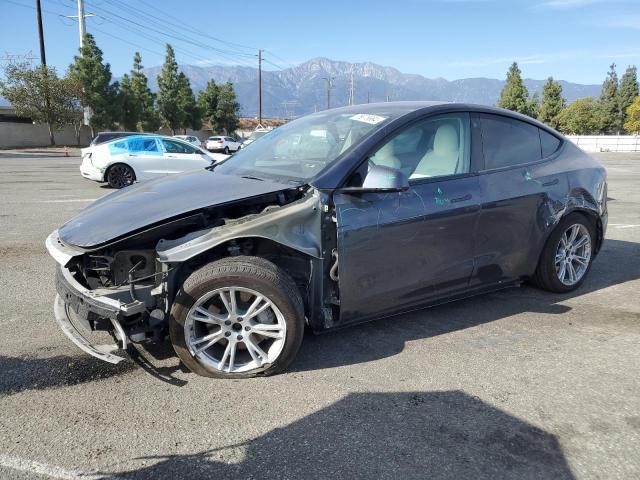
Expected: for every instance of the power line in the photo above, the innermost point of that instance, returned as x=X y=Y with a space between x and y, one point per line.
x=166 y=24
x=286 y=62
x=227 y=54
x=199 y=32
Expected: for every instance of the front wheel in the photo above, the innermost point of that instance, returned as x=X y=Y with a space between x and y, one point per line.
x=567 y=256
x=237 y=317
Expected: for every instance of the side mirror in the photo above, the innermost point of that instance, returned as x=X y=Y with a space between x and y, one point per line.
x=381 y=179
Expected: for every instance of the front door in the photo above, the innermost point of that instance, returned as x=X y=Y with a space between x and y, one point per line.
x=182 y=157
x=400 y=250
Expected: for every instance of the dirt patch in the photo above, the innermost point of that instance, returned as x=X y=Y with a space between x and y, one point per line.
x=22 y=250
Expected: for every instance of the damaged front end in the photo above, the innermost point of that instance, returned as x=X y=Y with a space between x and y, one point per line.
x=119 y=292
x=122 y=291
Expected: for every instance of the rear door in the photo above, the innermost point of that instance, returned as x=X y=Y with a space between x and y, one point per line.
x=182 y=157
x=146 y=158
x=522 y=190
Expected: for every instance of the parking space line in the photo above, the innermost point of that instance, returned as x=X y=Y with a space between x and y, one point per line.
x=68 y=200
x=52 y=471
x=623 y=225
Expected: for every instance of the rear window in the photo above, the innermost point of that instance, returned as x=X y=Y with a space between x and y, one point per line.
x=508 y=142
x=550 y=143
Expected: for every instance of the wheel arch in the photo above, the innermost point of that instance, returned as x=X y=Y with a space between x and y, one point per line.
x=299 y=265
x=595 y=219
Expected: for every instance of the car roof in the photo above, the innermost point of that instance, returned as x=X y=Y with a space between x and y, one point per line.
x=147 y=136
x=405 y=107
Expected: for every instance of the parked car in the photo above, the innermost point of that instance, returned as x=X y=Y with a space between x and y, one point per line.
x=123 y=161
x=103 y=137
x=222 y=144
x=192 y=139
x=256 y=134
x=344 y=216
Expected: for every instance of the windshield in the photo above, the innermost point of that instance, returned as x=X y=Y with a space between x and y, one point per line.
x=299 y=150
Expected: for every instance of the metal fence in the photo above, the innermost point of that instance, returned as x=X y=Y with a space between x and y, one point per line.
x=607 y=143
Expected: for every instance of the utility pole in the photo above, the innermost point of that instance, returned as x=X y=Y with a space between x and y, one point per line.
x=329 y=81
x=82 y=30
x=260 y=87
x=81 y=25
x=43 y=56
x=367 y=96
x=352 y=99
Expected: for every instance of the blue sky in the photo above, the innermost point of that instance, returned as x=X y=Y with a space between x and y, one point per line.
x=573 y=40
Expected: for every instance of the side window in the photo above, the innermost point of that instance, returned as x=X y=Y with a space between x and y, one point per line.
x=434 y=147
x=508 y=142
x=176 y=147
x=550 y=143
x=142 y=145
x=117 y=148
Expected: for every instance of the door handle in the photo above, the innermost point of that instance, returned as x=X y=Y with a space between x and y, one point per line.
x=133 y=155
x=461 y=199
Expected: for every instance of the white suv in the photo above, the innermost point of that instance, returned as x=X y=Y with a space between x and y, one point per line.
x=223 y=144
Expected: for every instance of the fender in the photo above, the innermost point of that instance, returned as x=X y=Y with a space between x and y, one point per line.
x=296 y=225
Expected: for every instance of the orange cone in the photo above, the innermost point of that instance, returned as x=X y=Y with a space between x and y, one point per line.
x=66 y=151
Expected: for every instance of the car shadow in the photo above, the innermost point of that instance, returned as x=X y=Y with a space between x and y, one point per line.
x=438 y=435
x=618 y=262
x=32 y=373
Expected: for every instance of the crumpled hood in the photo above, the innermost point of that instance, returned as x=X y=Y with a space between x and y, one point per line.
x=143 y=204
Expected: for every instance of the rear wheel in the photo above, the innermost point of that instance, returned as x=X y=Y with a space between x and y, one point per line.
x=226 y=150
x=567 y=256
x=237 y=317
x=120 y=175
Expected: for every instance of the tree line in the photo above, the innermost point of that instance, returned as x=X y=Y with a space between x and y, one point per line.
x=40 y=94
x=615 y=112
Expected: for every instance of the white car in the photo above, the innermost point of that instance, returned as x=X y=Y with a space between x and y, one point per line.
x=220 y=143
x=256 y=134
x=192 y=139
x=137 y=158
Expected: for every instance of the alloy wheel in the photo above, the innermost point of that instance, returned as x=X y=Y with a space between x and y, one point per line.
x=235 y=330
x=573 y=254
x=120 y=176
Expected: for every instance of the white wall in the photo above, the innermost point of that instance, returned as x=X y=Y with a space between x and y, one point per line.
x=201 y=134
x=30 y=135
x=607 y=143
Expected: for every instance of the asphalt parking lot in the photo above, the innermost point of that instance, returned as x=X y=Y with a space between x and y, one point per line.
x=516 y=384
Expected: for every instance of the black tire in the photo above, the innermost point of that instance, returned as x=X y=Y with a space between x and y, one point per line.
x=248 y=272
x=546 y=276
x=120 y=175
x=226 y=150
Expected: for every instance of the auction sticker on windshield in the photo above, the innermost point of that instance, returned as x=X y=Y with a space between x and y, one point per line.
x=368 y=118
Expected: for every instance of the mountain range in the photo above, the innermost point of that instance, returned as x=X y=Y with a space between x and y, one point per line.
x=302 y=89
